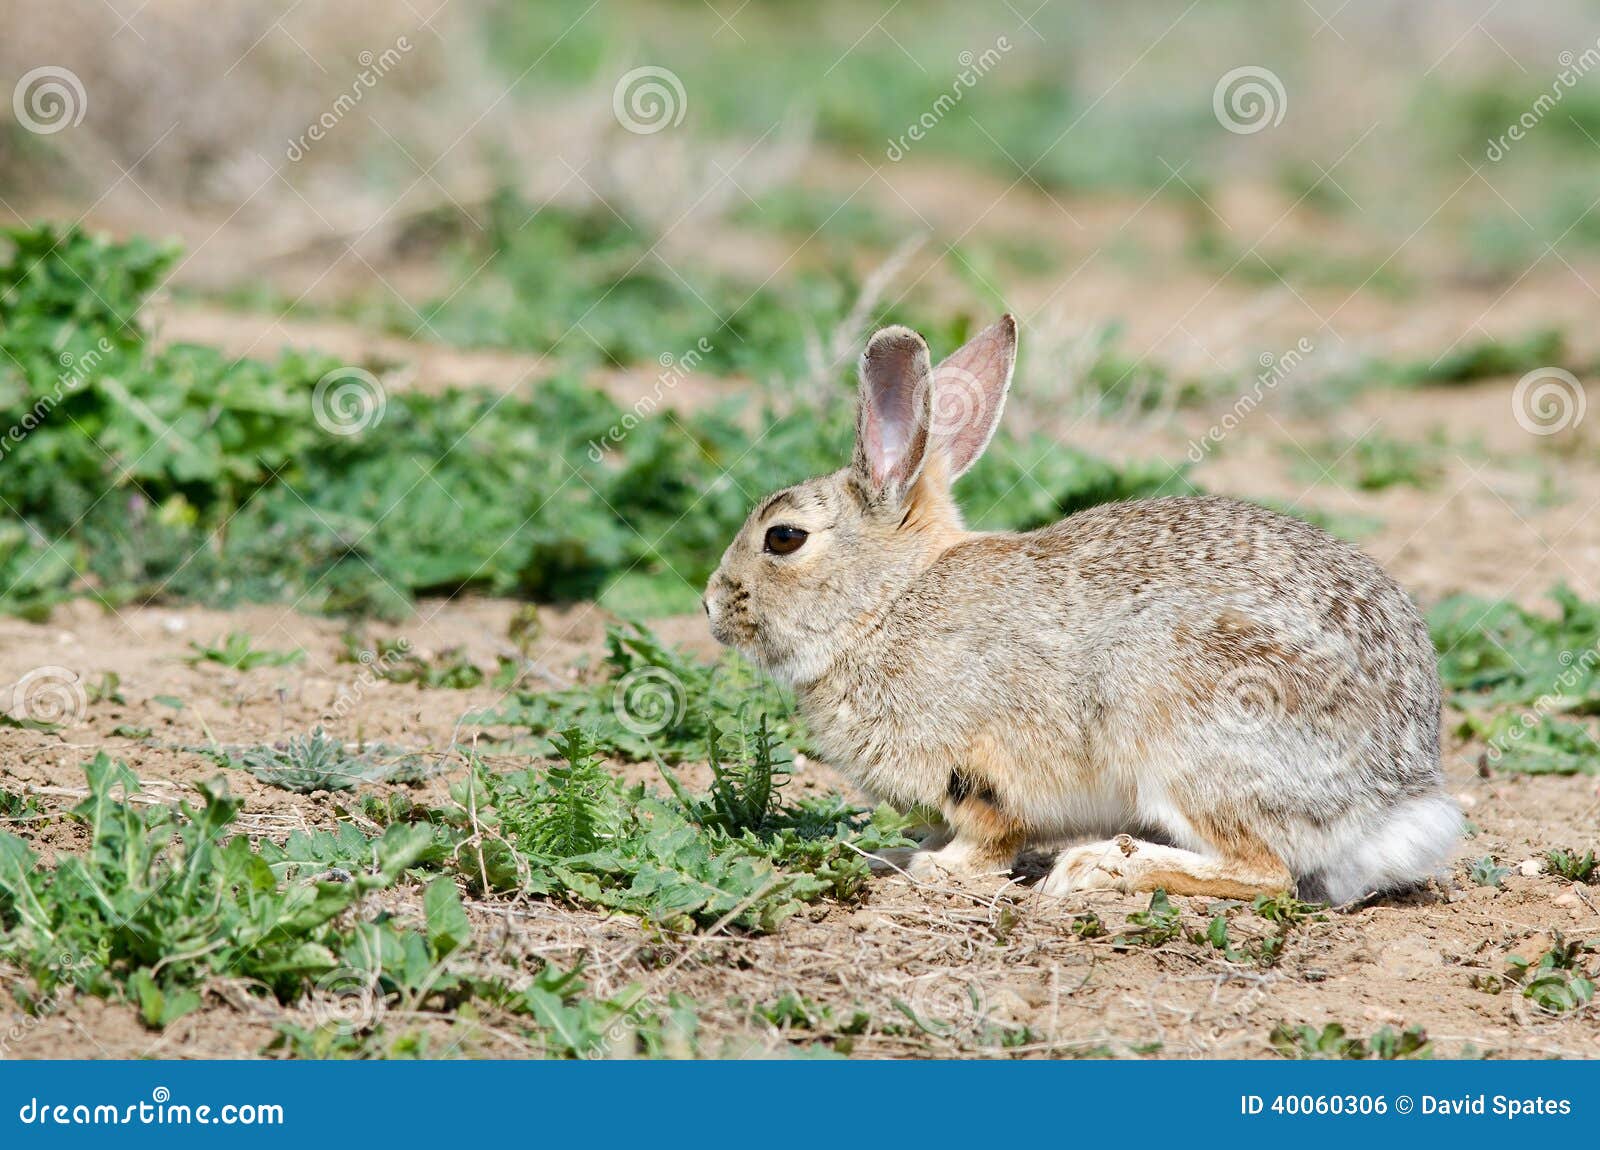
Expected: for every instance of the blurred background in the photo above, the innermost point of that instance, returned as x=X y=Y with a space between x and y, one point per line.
x=1303 y=253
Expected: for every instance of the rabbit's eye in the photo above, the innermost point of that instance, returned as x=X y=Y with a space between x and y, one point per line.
x=783 y=540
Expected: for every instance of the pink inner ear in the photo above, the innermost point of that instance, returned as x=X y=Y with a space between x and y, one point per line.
x=894 y=372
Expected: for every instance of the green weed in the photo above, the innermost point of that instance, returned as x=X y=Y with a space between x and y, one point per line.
x=1156 y=925
x=1488 y=871
x=1558 y=981
x=236 y=651
x=162 y=899
x=1497 y=655
x=1371 y=462
x=736 y=856
x=1572 y=866
x=650 y=700
x=1333 y=1041
x=317 y=762
x=181 y=473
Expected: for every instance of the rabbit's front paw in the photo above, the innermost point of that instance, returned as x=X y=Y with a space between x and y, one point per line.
x=1093 y=866
x=959 y=858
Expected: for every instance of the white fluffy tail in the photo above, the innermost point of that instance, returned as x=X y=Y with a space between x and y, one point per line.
x=1405 y=849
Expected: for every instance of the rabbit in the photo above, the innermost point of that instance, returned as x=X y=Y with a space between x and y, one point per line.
x=1227 y=701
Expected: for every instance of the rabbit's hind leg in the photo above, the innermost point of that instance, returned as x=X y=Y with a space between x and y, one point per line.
x=1127 y=864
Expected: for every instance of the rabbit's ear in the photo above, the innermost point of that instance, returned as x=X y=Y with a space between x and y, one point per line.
x=892 y=412
x=969 y=391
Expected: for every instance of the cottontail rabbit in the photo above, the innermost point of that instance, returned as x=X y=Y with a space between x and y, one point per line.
x=1234 y=701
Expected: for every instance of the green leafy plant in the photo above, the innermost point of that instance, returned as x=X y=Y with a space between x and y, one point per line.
x=1572 y=866
x=236 y=651
x=1333 y=1041
x=1371 y=462
x=1487 y=871
x=650 y=701
x=181 y=472
x=686 y=861
x=318 y=762
x=163 y=898
x=1558 y=981
x=1495 y=656
x=1156 y=925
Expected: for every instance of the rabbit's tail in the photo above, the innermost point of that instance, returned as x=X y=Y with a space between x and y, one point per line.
x=1404 y=849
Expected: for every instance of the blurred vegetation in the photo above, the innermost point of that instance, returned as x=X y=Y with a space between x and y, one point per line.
x=179 y=473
